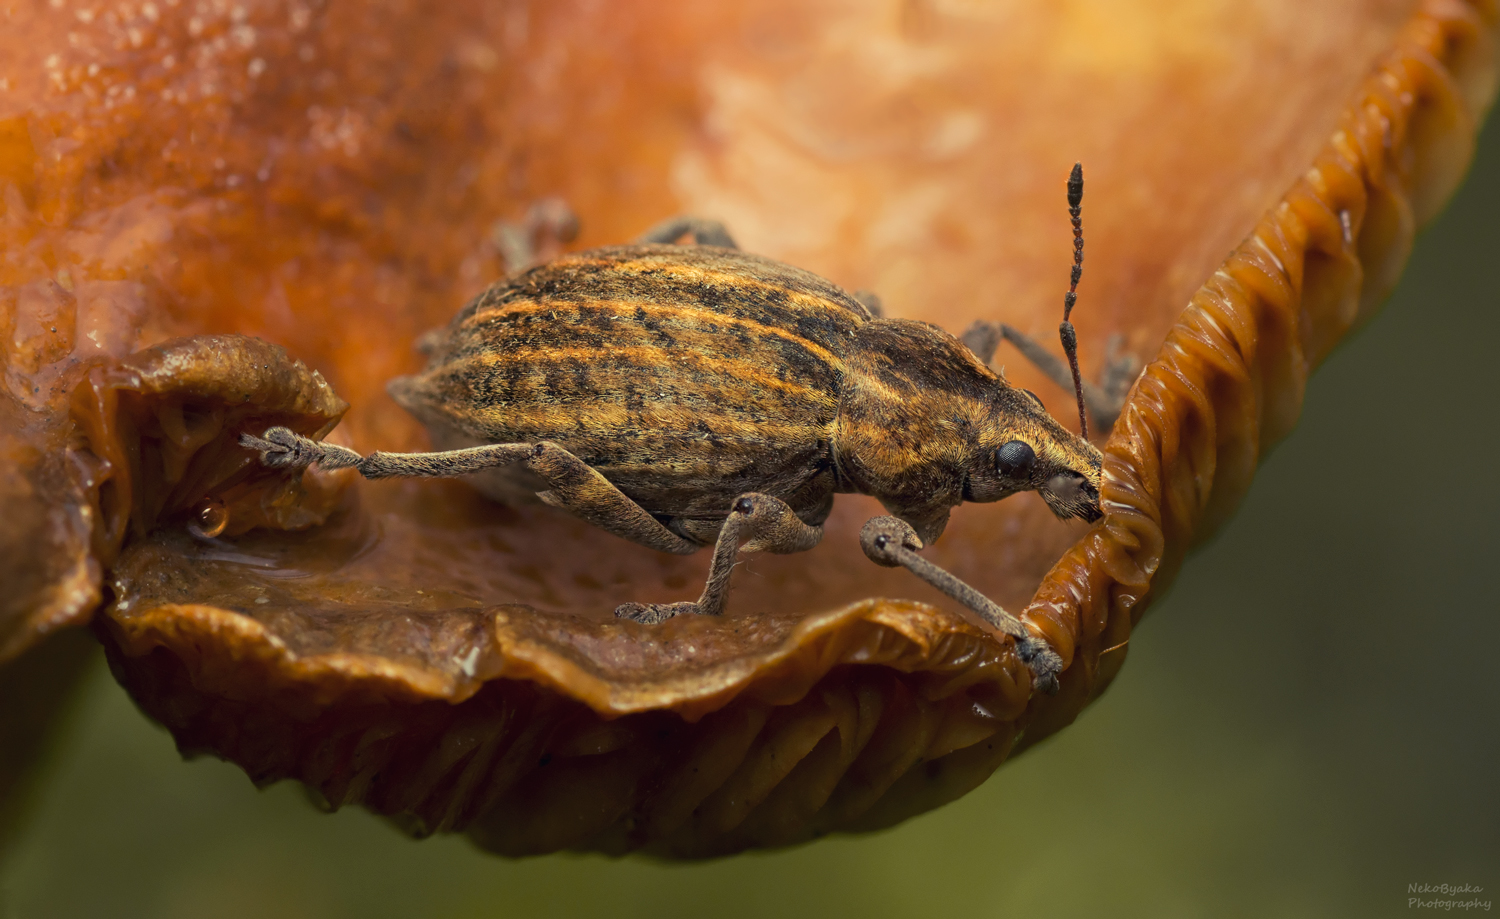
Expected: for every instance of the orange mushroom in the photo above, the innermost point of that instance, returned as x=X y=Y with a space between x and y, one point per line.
x=328 y=179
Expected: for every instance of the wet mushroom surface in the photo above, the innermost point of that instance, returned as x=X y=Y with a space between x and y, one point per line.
x=217 y=221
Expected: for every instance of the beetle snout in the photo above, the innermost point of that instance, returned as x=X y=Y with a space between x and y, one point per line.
x=1072 y=495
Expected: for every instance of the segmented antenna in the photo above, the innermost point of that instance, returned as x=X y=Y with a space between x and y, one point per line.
x=1065 y=331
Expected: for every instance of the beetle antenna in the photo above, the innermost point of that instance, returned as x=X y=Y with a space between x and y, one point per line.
x=1065 y=331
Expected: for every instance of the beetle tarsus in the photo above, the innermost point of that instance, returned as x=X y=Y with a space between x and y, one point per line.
x=655 y=613
x=1044 y=662
x=283 y=448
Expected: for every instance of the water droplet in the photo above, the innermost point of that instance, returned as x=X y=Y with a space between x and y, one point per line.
x=209 y=519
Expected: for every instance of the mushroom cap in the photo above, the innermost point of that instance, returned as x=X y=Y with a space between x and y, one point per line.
x=453 y=663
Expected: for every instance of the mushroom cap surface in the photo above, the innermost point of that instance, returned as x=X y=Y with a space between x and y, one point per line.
x=178 y=189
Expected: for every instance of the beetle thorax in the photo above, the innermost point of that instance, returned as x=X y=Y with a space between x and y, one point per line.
x=913 y=407
x=922 y=423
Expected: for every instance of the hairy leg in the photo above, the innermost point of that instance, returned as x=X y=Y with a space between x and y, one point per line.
x=765 y=524
x=890 y=541
x=538 y=236
x=574 y=485
x=704 y=232
x=870 y=301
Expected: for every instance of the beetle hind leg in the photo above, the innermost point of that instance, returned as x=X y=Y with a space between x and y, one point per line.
x=574 y=485
x=282 y=448
x=756 y=523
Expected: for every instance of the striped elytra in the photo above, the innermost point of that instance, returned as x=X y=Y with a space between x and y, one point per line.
x=690 y=375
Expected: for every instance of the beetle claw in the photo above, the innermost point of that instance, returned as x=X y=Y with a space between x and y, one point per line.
x=1044 y=662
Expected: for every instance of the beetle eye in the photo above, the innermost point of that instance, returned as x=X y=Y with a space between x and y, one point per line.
x=1014 y=459
x=1035 y=398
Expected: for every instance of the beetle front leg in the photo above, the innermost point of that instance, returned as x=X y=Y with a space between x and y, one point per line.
x=890 y=541
x=764 y=524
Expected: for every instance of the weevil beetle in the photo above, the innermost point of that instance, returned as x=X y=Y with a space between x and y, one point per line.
x=681 y=396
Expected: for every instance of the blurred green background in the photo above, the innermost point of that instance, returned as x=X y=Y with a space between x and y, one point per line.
x=1306 y=724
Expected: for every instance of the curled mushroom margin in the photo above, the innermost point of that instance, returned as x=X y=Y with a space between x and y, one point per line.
x=158 y=435
x=1230 y=376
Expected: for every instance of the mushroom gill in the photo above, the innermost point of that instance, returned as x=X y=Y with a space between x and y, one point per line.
x=328 y=179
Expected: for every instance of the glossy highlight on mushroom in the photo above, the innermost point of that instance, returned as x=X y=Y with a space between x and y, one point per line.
x=268 y=236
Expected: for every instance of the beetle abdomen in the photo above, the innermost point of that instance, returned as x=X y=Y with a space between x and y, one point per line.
x=686 y=375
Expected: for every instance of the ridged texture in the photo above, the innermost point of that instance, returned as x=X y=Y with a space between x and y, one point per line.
x=1229 y=379
x=851 y=720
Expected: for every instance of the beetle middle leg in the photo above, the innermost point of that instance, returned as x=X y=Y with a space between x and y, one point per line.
x=536 y=237
x=1104 y=398
x=890 y=541
x=574 y=485
x=764 y=524
x=704 y=232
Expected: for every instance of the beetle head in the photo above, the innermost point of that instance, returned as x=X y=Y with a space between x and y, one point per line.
x=1025 y=449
